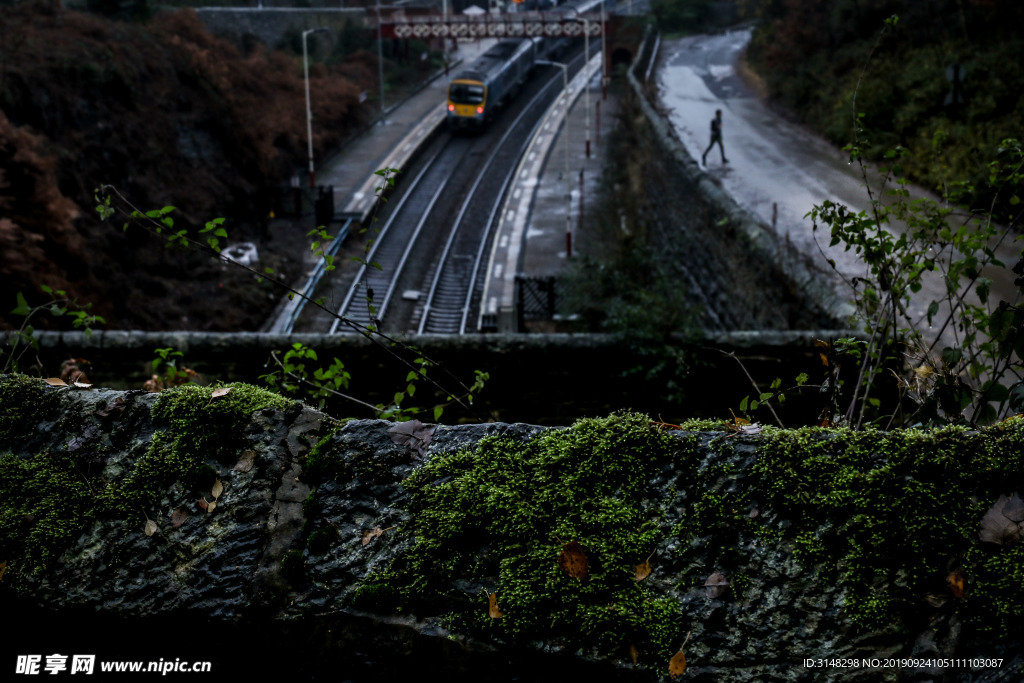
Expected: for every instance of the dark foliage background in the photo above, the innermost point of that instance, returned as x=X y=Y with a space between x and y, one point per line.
x=815 y=56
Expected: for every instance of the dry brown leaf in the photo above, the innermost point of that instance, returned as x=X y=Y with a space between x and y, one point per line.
x=150 y=528
x=634 y=654
x=113 y=409
x=218 y=488
x=71 y=370
x=369 y=536
x=3 y=568
x=56 y=382
x=956 y=581
x=643 y=570
x=222 y=391
x=178 y=517
x=1001 y=524
x=203 y=504
x=715 y=585
x=677 y=665
x=492 y=607
x=245 y=463
x=153 y=385
x=412 y=434
x=573 y=561
x=211 y=506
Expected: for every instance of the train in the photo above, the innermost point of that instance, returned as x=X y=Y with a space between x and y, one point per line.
x=476 y=93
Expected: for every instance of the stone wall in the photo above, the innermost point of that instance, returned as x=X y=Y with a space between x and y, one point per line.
x=253 y=532
x=541 y=378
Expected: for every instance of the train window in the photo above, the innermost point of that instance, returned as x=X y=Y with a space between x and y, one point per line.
x=466 y=93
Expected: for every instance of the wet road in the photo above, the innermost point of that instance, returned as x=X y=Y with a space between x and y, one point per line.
x=772 y=162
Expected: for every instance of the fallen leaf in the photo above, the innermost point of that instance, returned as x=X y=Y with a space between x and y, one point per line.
x=178 y=517
x=56 y=382
x=113 y=409
x=413 y=435
x=211 y=506
x=218 y=488
x=222 y=391
x=643 y=570
x=715 y=585
x=153 y=385
x=1014 y=509
x=369 y=536
x=573 y=561
x=245 y=463
x=3 y=568
x=150 y=527
x=203 y=504
x=999 y=526
x=492 y=607
x=71 y=371
x=956 y=580
x=677 y=665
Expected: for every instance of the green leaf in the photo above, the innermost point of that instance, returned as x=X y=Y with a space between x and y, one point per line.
x=437 y=412
x=22 y=308
x=743 y=404
x=996 y=393
x=951 y=356
x=801 y=379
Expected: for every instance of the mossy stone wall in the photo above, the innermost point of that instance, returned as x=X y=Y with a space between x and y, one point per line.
x=510 y=550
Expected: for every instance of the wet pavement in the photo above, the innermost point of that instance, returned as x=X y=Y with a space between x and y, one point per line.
x=776 y=170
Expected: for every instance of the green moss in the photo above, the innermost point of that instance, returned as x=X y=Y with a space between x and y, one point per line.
x=896 y=513
x=24 y=403
x=47 y=504
x=200 y=429
x=522 y=502
x=49 y=499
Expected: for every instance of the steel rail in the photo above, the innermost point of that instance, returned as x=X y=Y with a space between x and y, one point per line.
x=358 y=281
x=429 y=306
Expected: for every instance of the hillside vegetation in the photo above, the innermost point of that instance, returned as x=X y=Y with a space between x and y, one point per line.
x=169 y=115
x=829 y=61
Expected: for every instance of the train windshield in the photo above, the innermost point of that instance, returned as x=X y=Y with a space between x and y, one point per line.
x=466 y=93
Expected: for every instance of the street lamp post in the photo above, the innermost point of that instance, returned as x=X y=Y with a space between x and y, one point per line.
x=568 y=180
x=380 y=57
x=309 y=111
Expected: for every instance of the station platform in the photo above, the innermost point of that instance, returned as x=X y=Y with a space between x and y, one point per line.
x=540 y=223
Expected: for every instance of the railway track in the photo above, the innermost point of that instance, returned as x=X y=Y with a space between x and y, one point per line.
x=422 y=272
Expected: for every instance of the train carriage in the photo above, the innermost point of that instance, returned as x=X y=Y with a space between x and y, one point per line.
x=477 y=92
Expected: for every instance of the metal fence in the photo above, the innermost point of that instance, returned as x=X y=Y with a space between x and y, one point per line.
x=536 y=298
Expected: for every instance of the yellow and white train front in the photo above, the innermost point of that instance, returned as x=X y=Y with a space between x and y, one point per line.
x=467 y=102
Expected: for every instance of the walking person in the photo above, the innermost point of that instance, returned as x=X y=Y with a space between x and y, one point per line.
x=716 y=136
